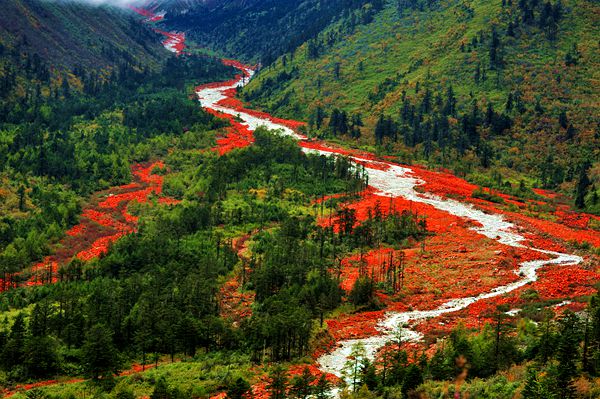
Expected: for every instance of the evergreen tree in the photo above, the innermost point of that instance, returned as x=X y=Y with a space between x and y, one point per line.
x=238 y=388
x=301 y=385
x=581 y=190
x=567 y=354
x=40 y=357
x=532 y=385
x=369 y=375
x=99 y=354
x=593 y=366
x=161 y=390
x=322 y=388
x=412 y=379
x=278 y=383
x=563 y=121
x=14 y=350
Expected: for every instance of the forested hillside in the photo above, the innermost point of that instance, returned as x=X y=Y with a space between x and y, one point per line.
x=67 y=131
x=260 y=30
x=502 y=86
x=398 y=200
x=76 y=34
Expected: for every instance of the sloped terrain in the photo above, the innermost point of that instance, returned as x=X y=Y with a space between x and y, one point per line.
x=332 y=256
x=469 y=86
x=237 y=27
x=71 y=34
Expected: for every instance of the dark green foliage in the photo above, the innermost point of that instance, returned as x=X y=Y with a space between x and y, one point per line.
x=567 y=354
x=162 y=390
x=322 y=388
x=369 y=375
x=99 y=355
x=291 y=23
x=581 y=190
x=363 y=291
x=238 y=388
x=56 y=146
x=76 y=35
x=278 y=383
x=13 y=353
x=412 y=379
x=41 y=359
x=155 y=292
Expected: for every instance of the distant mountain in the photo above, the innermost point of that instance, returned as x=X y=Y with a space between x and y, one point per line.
x=75 y=34
x=256 y=30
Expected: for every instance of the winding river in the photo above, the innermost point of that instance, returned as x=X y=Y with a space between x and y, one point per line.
x=398 y=181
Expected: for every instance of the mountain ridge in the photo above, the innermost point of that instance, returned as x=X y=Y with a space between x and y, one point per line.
x=70 y=34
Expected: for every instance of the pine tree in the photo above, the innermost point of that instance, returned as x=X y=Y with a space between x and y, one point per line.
x=567 y=354
x=99 y=354
x=161 y=390
x=369 y=375
x=532 y=385
x=21 y=193
x=563 y=121
x=13 y=352
x=40 y=358
x=583 y=184
x=301 y=385
x=594 y=335
x=322 y=388
x=238 y=388
x=278 y=383
x=412 y=379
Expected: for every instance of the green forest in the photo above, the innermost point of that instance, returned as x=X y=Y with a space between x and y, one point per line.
x=139 y=261
x=498 y=92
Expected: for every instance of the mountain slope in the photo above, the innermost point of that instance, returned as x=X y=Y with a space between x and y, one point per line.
x=522 y=80
x=70 y=34
x=255 y=30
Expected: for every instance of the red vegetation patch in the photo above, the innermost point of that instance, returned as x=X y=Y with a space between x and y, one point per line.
x=443 y=184
x=103 y=222
x=297 y=370
x=569 y=226
x=174 y=41
x=236 y=64
x=545 y=193
x=143 y=12
x=437 y=221
x=555 y=230
x=104 y=219
x=359 y=325
x=76 y=230
x=236 y=136
x=234 y=303
x=135 y=368
x=573 y=219
x=113 y=201
x=557 y=282
x=99 y=247
x=27 y=387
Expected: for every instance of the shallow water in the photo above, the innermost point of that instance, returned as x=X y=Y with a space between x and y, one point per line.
x=399 y=181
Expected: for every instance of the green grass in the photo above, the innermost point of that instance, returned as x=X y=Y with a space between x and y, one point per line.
x=204 y=375
x=425 y=47
x=427 y=44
